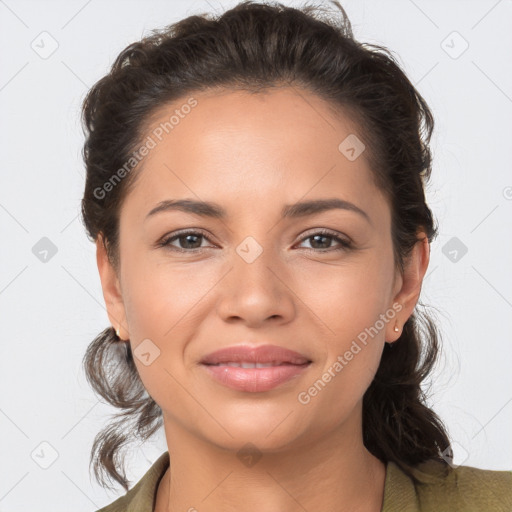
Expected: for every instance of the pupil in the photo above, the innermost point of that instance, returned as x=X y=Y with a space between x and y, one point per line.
x=316 y=237
x=188 y=240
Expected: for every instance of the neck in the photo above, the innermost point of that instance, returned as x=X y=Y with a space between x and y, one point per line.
x=334 y=472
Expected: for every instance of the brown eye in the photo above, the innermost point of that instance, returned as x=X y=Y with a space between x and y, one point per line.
x=187 y=241
x=322 y=241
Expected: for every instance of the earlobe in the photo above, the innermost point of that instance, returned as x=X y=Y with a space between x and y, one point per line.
x=111 y=290
x=397 y=332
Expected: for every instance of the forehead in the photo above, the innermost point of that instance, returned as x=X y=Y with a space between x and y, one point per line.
x=251 y=151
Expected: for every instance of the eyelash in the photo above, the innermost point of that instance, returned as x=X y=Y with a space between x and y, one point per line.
x=345 y=245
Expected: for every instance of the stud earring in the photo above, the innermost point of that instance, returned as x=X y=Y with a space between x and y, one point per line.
x=396 y=328
x=117 y=332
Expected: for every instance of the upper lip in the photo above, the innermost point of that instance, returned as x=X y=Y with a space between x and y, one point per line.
x=251 y=354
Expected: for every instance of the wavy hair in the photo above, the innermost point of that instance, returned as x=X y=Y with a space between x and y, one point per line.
x=255 y=47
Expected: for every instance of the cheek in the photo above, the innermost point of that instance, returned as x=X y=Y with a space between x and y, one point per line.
x=352 y=357
x=352 y=304
x=348 y=300
x=164 y=303
x=162 y=295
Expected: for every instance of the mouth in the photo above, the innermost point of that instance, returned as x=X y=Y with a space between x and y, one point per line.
x=263 y=354
x=248 y=364
x=255 y=369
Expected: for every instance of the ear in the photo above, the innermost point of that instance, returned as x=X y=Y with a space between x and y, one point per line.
x=408 y=285
x=111 y=290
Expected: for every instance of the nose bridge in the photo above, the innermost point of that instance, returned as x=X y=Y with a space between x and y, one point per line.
x=255 y=250
x=255 y=291
x=252 y=264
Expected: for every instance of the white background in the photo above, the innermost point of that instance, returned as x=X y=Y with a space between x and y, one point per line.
x=51 y=311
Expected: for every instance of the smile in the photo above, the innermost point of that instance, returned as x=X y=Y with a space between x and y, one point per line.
x=254 y=377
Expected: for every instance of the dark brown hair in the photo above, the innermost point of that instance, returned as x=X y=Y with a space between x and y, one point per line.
x=256 y=47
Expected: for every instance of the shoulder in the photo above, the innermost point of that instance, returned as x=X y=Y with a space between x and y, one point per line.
x=439 y=487
x=140 y=498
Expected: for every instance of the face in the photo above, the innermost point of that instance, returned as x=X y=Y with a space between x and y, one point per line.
x=316 y=282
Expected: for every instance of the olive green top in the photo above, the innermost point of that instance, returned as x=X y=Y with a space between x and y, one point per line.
x=436 y=488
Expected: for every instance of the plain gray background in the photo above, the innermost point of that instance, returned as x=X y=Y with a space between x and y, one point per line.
x=52 y=309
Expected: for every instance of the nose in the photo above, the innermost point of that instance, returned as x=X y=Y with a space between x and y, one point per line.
x=256 y=291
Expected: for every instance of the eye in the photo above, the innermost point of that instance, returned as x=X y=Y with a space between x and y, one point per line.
x=322 y=239
x=189 y=241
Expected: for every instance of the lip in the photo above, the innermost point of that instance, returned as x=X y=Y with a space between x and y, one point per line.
x=287 y=365
x=259 y=354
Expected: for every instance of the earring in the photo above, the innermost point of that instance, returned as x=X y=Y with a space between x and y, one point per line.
x=117 y=332
x=396 y=328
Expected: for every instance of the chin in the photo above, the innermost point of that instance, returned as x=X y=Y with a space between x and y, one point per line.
x=268 y=432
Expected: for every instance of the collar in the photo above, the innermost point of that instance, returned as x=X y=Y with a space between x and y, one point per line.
x=399 y=490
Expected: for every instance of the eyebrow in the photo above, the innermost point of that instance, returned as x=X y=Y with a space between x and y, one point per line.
x=214 y=210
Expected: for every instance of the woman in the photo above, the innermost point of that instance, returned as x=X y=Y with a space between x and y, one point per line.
x=255 y=189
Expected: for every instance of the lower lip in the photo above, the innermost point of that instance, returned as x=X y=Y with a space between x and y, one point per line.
x=254 y=380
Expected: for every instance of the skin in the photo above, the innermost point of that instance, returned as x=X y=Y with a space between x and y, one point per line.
x=252 y=154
